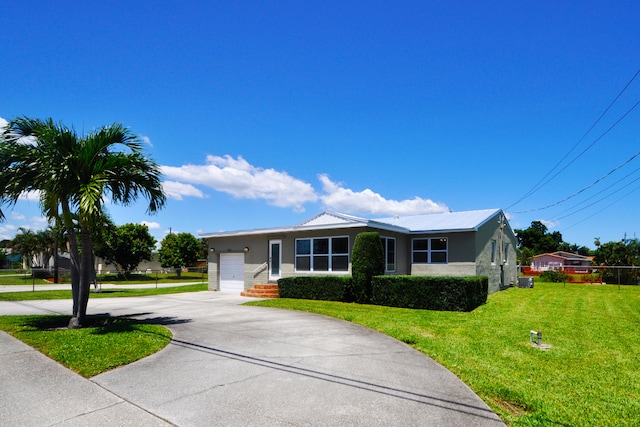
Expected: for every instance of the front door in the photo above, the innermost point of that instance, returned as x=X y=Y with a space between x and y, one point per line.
x=275 y=255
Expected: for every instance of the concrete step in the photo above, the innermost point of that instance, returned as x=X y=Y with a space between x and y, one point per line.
x=262 y=291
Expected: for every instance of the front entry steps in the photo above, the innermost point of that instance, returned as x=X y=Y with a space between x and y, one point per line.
x=262 y=291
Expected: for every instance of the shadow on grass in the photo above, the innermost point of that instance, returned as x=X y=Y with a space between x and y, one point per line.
x=102 y=323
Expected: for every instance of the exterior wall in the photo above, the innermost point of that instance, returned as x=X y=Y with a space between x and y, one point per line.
x=461 y=256
x=256 y=269
x=503 y=272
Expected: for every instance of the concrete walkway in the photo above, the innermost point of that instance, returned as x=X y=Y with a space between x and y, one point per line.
x=236 y=365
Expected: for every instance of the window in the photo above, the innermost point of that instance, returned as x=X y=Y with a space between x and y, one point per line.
x=505 y=254
x=389 y=246
x=322 y=254
x=493 y=252
x=430 y=251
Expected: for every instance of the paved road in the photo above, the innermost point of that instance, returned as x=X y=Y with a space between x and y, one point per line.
x=237 y=365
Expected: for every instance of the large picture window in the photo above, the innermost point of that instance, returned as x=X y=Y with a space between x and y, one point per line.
x=430 y=250
x=322 y=254
x=389 y=246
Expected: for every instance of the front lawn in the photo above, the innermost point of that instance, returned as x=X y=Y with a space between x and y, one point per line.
x=589 y=376
x=108 y=342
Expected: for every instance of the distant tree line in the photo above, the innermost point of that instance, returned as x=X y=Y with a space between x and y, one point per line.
x=537 y=240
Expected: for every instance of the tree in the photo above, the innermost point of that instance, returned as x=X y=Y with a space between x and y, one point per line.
x=26 y=244
x=538 y=240
x=367 y=260
x=179 y=250
x=126 y=246
x=73 y=175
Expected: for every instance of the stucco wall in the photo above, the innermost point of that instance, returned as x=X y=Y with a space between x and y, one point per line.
x=489 y=231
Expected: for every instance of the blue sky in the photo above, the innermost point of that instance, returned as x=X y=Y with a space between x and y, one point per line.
x=266 y=113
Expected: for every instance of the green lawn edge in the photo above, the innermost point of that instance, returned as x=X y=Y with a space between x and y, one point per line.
x=589 y=376
x=104 y=293
x=104 y=344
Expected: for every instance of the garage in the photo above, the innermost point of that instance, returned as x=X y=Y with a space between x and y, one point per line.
x=232 y=272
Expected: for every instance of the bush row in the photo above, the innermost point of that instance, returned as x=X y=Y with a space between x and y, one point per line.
x=328 y=288
x=443 y=293
x=419 y=292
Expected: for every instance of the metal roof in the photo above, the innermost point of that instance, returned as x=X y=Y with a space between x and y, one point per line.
x=448 y=221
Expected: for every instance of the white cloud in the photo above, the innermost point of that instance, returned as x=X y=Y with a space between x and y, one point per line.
x=7 y=231
x=146 y=140
x=32 y=196
x=177 y=190
x=151 y=225
x=18 y=216
x=240 y=179
x=549 y=224
x=3 y=123
x=346 y=200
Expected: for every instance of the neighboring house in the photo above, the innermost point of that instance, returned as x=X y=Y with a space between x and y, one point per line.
x=472 y=243
x=561 y=260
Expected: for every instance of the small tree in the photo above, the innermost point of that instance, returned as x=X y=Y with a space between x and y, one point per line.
x=367 y=260
x=126 y=246
x=179 y=250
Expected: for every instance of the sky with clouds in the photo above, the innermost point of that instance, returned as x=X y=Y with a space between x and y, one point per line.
x=263 y=115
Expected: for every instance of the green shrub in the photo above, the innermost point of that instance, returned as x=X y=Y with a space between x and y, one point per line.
x=328 y=288
x=431 y=293
x=554 y=276
x=367 y=261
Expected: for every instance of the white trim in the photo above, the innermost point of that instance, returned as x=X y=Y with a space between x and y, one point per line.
x=272 y=275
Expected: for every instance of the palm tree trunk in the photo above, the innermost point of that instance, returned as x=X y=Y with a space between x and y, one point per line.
x=85 y=273
x=75 y=263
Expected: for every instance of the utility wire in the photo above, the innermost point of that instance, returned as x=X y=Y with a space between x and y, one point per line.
x=540 y=183
x=587 y=187
x=598 y=193
x=606 y=207
x=601 y=199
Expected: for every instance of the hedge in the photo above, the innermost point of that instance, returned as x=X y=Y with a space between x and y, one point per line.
x=443 y=293
x=328 y=288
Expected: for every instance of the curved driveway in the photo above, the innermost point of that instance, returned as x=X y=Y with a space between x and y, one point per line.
x=248 y=366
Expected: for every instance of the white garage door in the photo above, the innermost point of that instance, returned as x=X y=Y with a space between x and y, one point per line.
x=231 y=272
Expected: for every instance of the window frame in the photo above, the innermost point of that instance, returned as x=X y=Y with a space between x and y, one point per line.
x=429 y=251
x=494 y=245
x=385 y=246
x=329 y=256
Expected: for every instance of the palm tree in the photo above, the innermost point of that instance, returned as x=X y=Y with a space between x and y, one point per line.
x=27 y=244
x=73 y=175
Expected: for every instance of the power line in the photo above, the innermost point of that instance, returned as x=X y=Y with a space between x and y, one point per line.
x=606 y=207
x=540 y=183
x=587 y=187
x=599 y=192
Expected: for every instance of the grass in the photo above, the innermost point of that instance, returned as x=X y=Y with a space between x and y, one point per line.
x=108 y=342
x=26 y=279
x=105 y=293
x=589 y=376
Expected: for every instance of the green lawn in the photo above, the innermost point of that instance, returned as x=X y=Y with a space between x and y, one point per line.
x=13 y=278
x=105 y=293
x=108 y=342
x=589 y=376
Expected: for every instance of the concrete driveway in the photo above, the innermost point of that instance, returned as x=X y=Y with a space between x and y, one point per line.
x=237 y=365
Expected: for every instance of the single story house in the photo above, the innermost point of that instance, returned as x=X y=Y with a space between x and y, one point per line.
x=561 y=260
x=471 y=243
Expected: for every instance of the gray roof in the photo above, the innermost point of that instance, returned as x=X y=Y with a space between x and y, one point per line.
x=427 y=223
